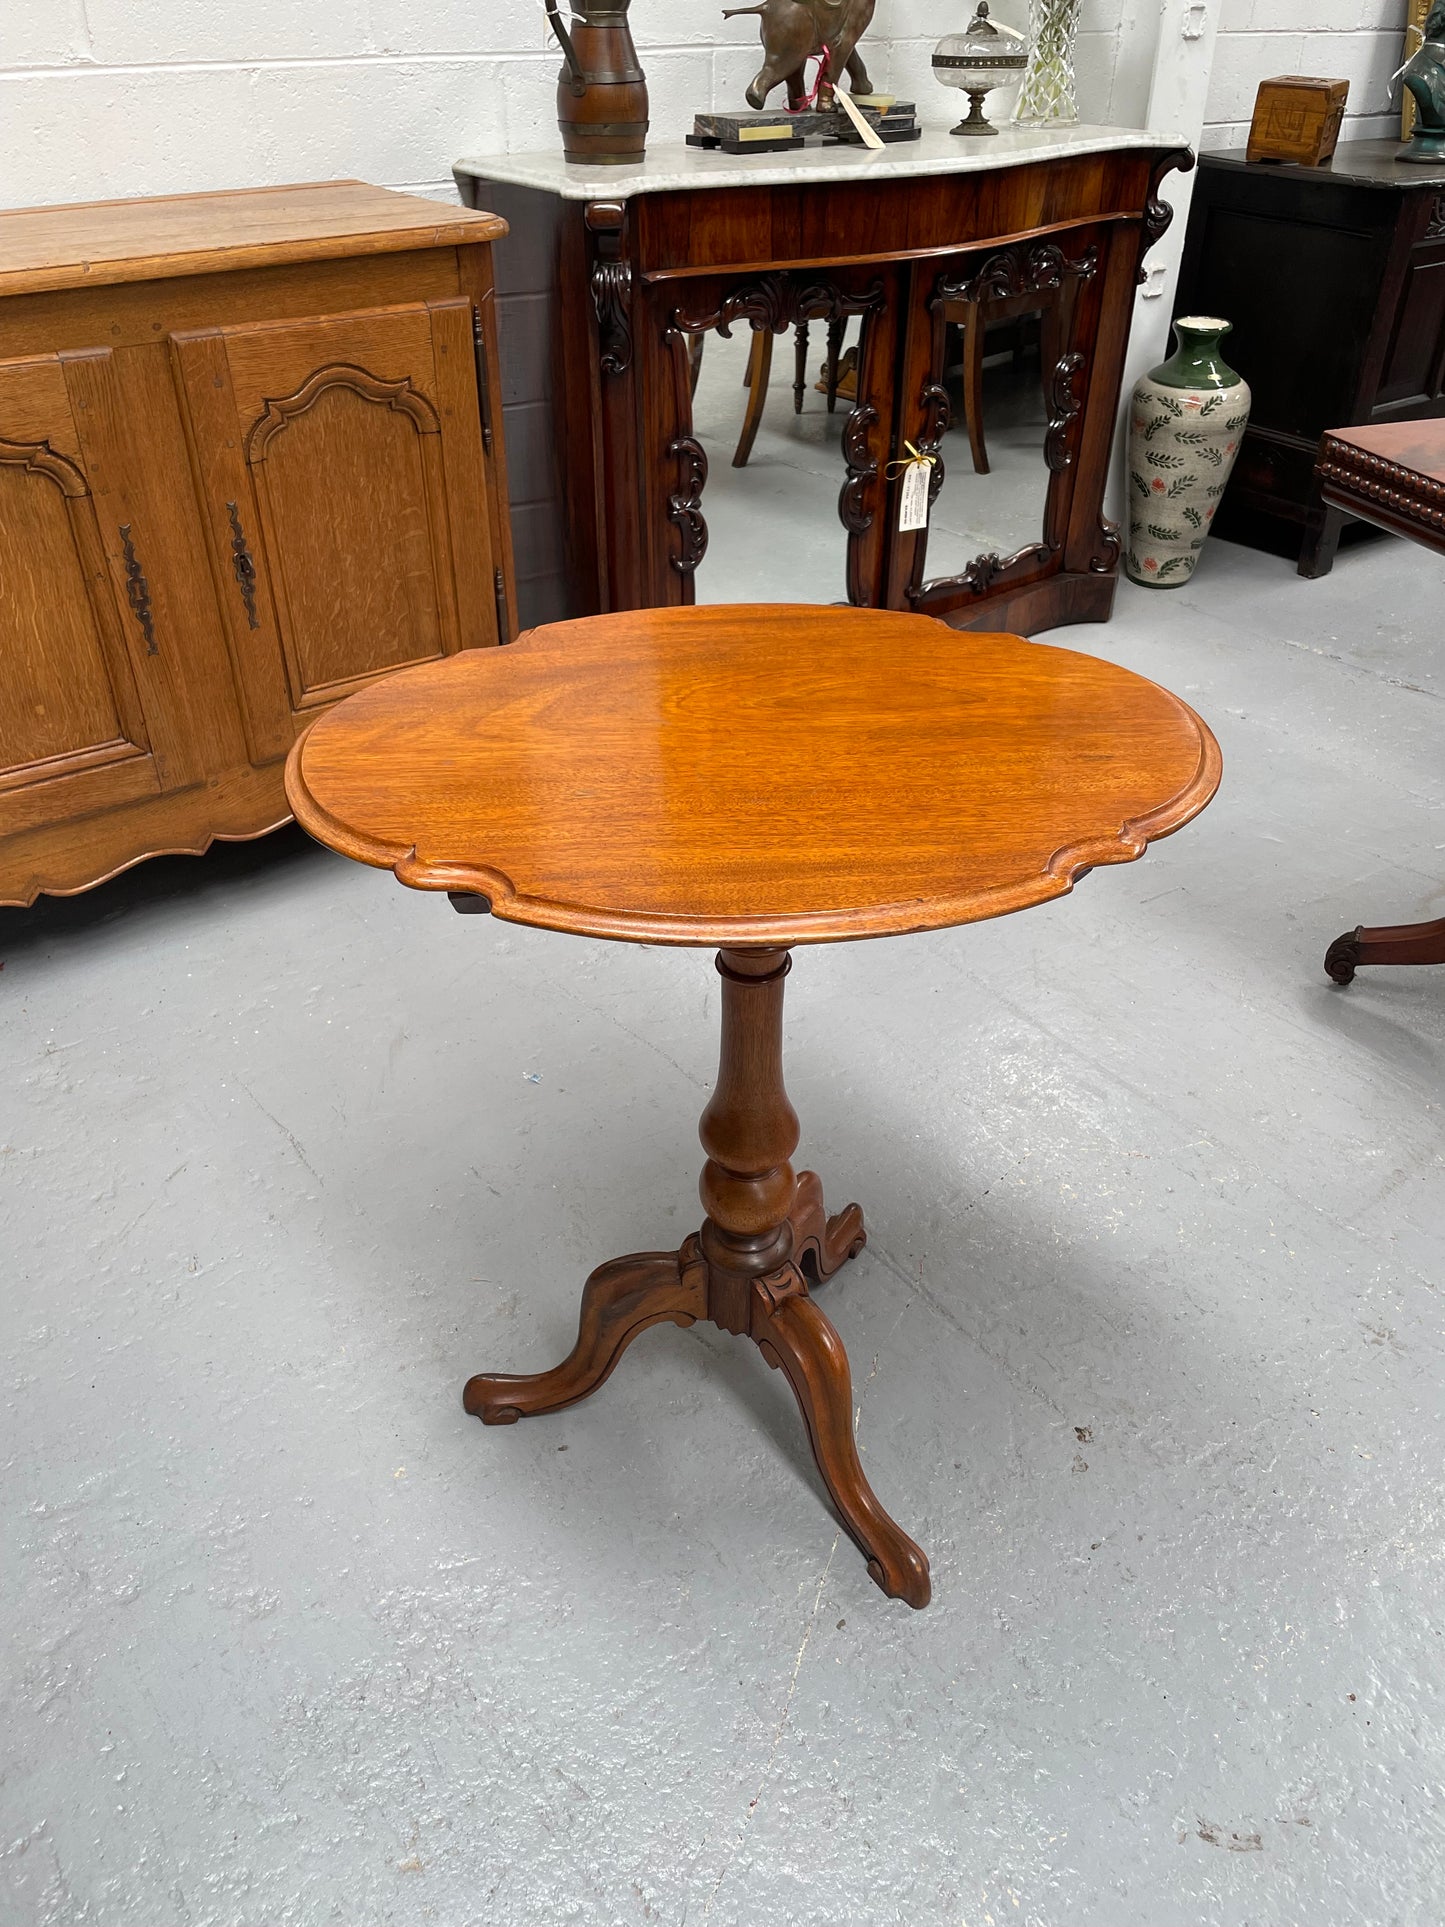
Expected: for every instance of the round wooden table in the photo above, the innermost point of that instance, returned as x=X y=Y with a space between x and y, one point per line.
x=751 y=778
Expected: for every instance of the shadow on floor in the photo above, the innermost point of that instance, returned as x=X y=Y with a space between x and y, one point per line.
x=156 y=884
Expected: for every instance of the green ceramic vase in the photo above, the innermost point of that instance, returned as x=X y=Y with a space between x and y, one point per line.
x=1185 y=424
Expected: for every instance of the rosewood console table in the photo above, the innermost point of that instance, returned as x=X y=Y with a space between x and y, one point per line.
x=610 y=274
x=632 y=777
x=1393 y=476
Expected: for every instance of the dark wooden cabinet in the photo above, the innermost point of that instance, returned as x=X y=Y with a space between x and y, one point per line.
x=247 y=462
x=1334 y=281
x=610 y=279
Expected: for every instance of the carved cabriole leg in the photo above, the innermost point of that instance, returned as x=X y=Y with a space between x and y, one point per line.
x=796 y=1337
x=762 y=1223
x=1386 y=943
x=619 y=1300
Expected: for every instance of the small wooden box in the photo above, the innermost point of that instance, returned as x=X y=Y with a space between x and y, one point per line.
x=1297 y=118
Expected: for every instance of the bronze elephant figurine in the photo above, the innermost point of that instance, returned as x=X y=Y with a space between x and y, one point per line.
x=793 y=31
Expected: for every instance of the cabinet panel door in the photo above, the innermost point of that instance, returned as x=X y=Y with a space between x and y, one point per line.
x=1415 y=365
x=340 y=463
x=73 y=734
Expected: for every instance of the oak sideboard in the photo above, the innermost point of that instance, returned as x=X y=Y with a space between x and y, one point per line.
x=250 y=458
x=613 y=277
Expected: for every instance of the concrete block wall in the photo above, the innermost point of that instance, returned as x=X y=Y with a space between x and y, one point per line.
x=102 y=98
x=1114 y=55
x=1361 y=41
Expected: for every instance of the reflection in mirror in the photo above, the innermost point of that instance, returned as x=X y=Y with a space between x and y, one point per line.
x=772 y=518
x=999 y=359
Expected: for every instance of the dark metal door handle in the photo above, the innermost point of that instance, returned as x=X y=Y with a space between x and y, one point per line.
x=138 y=591
x=243 y=565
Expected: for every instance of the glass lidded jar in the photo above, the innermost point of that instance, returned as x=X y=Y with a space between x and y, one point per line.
x=985 y=55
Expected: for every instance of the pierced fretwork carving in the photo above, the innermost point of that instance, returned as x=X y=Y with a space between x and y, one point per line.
x=778 y=301
x=1435 y=219
x=1015 y=271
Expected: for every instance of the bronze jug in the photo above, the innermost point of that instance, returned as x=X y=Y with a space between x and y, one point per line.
x=601 y=91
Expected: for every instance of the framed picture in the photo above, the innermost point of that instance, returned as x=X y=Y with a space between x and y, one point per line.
x=1414 y=37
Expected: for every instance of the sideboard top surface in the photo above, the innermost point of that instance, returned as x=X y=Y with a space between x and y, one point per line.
x=1357 y=163
x=96 y=243
x=670 y=167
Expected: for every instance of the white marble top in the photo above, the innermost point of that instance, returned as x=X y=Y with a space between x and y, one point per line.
x=673 y=165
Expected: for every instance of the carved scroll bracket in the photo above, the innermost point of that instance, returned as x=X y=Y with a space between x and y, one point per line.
x=1157 y=211
x=611 y=283
x=612 y=301
x=684 y=505
x=1065 y=402
x=854 y=511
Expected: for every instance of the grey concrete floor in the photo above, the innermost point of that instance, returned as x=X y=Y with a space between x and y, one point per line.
x=1147 y=1348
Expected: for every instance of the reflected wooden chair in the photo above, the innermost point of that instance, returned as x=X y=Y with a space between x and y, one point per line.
x=974 y=319
x=759 y=372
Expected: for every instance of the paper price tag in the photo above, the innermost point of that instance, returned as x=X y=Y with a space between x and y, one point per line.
x=866 y=132
x=913 y=497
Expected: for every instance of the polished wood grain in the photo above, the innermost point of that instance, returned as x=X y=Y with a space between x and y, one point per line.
x=1392 y=474
x=227 y=499
x=98 y=243
x=756 y=777
x=767 y=775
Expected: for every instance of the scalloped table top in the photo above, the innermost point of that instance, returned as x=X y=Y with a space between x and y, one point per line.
x=753 y=775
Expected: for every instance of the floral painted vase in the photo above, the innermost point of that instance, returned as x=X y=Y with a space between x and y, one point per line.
x=1185 y=425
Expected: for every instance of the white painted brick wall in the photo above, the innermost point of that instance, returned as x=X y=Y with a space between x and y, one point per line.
x=102 y=98
x=1113 y=62
x=1361 y=41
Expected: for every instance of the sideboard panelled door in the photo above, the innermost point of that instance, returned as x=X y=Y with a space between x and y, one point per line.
x=339 y=461
x=73 y=732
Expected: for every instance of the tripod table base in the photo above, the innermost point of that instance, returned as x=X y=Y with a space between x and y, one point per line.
x=625 y=1296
